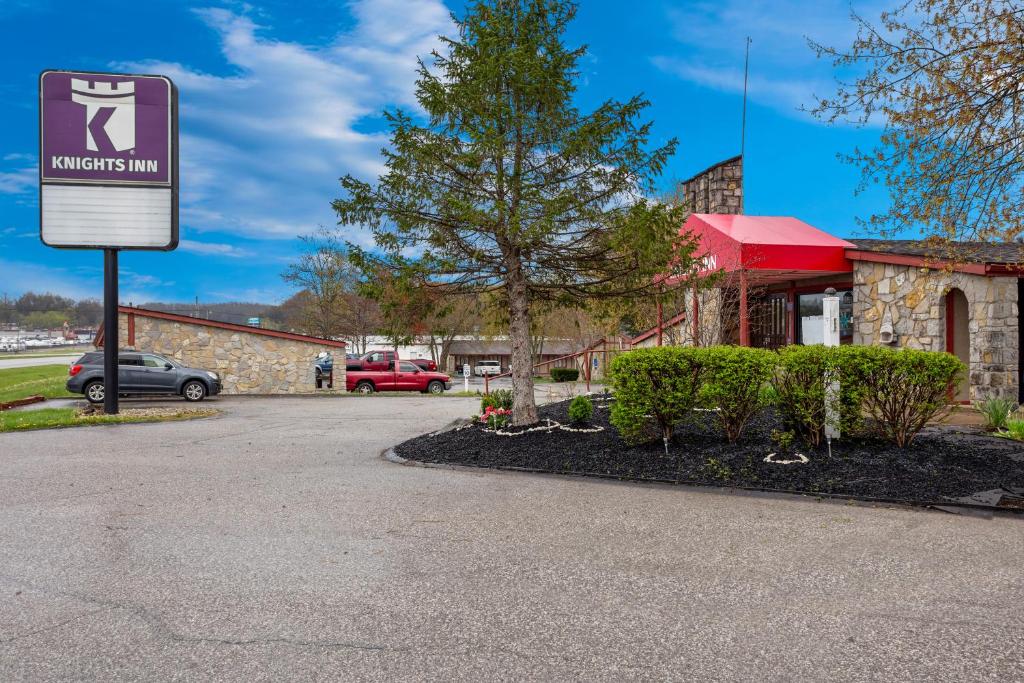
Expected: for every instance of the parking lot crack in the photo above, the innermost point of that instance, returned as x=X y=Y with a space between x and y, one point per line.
x=159 y=626
x=52 y=627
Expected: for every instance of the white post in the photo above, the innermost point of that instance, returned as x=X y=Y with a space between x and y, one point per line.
x=830 y=306
x=830 y=315
x=465 y=375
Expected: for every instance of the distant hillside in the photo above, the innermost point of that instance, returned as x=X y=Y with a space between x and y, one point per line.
x=237 y=312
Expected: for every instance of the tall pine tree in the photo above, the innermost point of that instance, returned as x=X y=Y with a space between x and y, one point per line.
x=506 y=187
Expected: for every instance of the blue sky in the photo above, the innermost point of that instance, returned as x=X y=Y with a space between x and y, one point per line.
x=279 y=99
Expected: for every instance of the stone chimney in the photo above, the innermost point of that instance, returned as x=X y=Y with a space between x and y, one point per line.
x=718 y=189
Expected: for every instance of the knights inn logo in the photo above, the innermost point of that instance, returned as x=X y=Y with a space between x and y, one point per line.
x=110 y=118
x=106 y=127
x=109 y=112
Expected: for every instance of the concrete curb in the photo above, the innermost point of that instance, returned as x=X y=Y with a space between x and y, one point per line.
x=27 y=401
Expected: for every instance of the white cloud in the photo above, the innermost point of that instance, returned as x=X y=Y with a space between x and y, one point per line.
x=785 y=73
x=19 y=181
x=213 y=248
x=262 y=148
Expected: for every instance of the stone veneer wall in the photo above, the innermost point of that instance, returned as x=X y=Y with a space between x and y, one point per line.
x=718 y=189
x=247 y=363
x=914 y=298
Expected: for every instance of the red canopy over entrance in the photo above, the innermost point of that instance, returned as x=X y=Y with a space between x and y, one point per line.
x=768 y=248
x=763 y=250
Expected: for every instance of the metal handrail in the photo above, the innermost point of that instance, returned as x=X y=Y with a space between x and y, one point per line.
x=587 y=371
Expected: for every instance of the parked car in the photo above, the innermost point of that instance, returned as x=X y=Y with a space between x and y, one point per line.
x=374 y=360
x=487 y=367
x=381 y=360
x=323 y=364
x=401 y=375
x=141 y=373
x=425 y=363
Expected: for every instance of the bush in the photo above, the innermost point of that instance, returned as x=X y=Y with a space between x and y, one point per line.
x=660 y=384
x=996 y=411
x=902 y=390
x=564 y=374
x=733 y=383
x=498 y=398
x=799 y=389
x=799 y=383
x=581 y=409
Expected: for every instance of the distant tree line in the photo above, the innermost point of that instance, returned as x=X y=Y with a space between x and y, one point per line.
x=47 y=311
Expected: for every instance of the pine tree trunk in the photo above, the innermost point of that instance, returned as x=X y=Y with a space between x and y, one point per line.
x=524 y=407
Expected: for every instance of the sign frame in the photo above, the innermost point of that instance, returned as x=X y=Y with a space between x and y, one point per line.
x=172 y=132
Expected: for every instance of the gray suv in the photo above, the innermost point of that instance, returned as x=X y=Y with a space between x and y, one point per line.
x=141 y=373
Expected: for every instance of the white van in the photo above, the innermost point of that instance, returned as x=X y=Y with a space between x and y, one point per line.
x=487 y=367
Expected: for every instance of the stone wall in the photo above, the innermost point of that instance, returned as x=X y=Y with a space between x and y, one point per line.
x=913 y=299
x=718 y=189
x=247 y=362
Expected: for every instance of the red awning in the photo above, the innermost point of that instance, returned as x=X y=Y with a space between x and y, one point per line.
x=768 y=248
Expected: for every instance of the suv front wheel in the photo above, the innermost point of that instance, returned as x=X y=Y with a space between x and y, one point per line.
x=94 y=392
x=194 y=390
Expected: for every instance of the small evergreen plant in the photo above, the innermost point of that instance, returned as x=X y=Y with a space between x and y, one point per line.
x=581 y=409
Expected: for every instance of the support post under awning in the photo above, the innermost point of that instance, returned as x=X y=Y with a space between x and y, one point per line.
x=744 y=313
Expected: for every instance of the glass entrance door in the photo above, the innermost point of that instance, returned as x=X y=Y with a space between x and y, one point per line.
x=768 y=322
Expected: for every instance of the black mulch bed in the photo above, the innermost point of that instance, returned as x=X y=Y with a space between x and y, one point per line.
x=943 y=464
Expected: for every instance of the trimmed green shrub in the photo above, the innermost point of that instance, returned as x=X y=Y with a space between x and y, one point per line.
x=734 y=382
x=564 y=374
x=581 y=409
x=996 y=412
x=902 y=390
x=498 y=398
x=660 y=384
x=799 y=389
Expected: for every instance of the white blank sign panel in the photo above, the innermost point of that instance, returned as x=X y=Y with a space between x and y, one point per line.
x=91 y=216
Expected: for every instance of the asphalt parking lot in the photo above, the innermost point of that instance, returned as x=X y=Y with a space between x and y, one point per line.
x=273 y=543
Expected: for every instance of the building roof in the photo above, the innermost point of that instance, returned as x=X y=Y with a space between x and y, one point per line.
x=1004 y=253
x=768 y=248
x=502 y=347
x=189 y=320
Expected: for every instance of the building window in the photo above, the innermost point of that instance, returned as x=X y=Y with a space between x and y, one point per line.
x=810 y=317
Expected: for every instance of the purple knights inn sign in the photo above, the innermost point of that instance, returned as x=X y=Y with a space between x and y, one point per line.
x=108 y=168
x=108 y=178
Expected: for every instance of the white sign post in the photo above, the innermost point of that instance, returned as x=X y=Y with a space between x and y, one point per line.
x=830 y=315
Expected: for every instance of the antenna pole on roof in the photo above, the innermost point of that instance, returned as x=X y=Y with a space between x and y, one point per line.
x=743 y=129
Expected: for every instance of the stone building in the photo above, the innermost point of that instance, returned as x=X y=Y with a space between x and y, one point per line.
x=249 y=360
x=964 y=302
x=717 y=189
x=771 y=274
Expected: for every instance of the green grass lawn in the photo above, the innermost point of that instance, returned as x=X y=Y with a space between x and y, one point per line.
x=47 y=380
x=46 y=418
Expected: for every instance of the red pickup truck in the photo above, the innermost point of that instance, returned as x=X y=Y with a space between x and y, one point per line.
x=381 y=360
x=405 y=377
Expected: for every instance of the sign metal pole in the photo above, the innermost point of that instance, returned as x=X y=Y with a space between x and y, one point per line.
x=111 y=343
